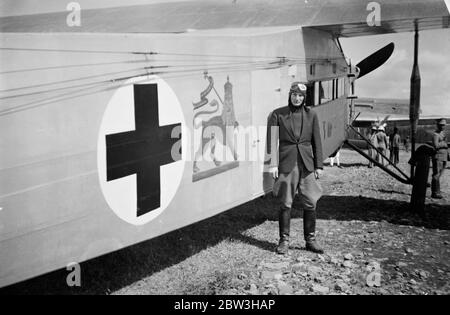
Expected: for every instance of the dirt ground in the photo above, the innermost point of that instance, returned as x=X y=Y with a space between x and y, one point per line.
x=374 y=245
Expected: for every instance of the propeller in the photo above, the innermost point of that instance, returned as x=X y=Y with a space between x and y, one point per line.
x=375 y=60
x=382 y=123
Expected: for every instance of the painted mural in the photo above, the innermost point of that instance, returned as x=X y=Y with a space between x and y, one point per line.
x=215 y=128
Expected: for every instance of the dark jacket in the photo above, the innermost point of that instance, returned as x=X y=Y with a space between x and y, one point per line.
x=308 y=147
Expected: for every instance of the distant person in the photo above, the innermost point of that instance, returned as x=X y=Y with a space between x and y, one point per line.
x=439 y=159
x=300 y=164
x=373 y=148
x=406 y=144
x=382 y=142
x=335 y=157
x=394 y=146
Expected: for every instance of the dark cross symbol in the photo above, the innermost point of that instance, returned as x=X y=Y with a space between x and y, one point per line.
x=143 y=150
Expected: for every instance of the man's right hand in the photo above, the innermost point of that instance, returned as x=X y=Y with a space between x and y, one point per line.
x=274 y=172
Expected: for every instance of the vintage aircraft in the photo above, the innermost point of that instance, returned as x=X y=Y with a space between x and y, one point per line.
x=112 y=129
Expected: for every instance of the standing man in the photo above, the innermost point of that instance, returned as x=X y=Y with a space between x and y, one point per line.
x=373 y=148
x=406 y=142
x=439 y=159
x=382 y=145
x=395 y=146
x=296 y=164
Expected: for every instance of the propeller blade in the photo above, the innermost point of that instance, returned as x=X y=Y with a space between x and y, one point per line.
x=385 y=120
x=375 y=60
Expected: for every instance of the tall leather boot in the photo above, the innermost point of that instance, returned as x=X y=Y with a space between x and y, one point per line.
x=284 y=220
x=433 y=186
x=436 y=192
x=309 y=230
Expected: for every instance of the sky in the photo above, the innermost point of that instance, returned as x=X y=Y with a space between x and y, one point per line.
x=392 y=80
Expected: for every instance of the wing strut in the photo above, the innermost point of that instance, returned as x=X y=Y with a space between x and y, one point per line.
x=403 y=178
x=414 y=101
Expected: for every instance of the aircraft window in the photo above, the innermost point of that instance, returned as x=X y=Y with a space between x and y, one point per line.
x=326 y=91
x=342 y=86
x=331 y=90
x=310 y=94
x=312 y=69
x=339 y=88
x=335 y=89
x=316 y=93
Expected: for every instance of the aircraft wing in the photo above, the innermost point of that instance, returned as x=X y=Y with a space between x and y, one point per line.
x=396 y=16
x=344 y=18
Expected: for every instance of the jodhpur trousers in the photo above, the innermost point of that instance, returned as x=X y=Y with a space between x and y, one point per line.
x=298 y=180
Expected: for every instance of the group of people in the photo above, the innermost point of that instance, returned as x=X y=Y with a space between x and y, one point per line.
x=379 y=141
x=381 y=144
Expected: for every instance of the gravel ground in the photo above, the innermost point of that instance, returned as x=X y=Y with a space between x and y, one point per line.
x=373 y=243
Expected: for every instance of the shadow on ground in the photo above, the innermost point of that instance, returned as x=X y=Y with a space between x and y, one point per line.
x=346 y=208
x=119 y=269
x=386 y=191
x=343 y=165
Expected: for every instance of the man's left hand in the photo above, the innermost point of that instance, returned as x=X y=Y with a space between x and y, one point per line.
x=318 y=172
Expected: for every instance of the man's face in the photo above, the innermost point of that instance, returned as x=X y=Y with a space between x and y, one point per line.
x=440 y=127
x=297 y=99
